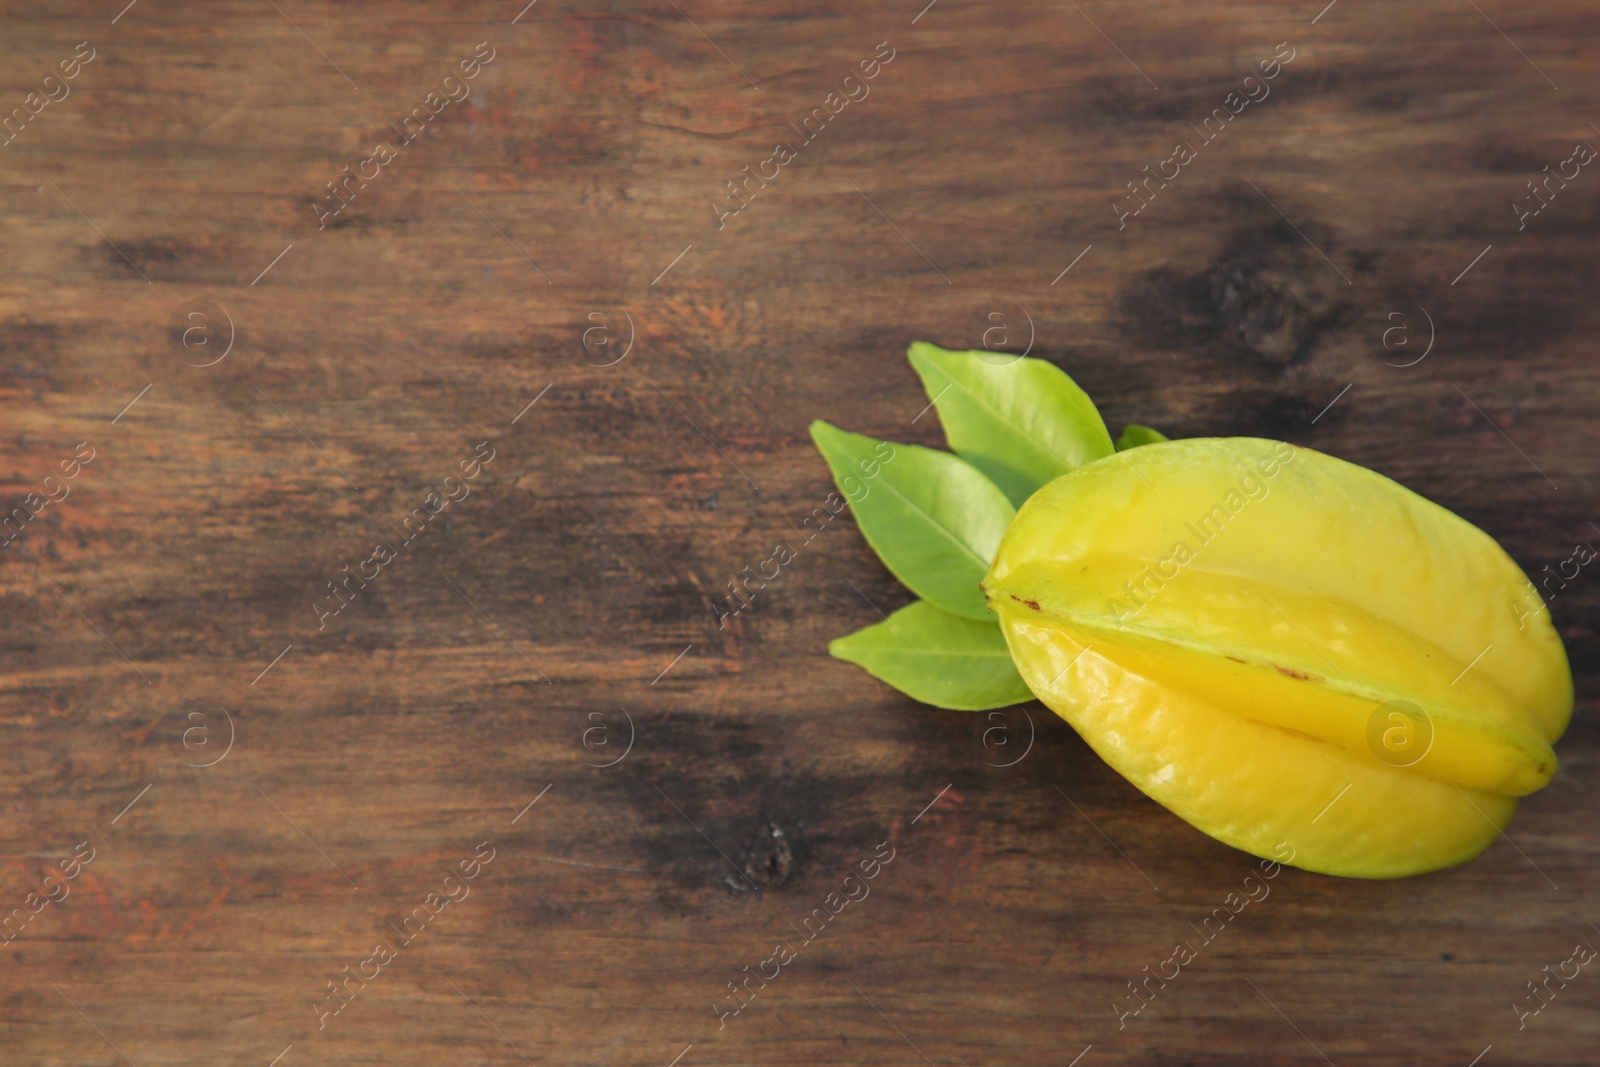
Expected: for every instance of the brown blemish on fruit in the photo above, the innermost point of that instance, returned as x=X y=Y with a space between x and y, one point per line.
x=1303 y=676
x=1236 y=659
x=1034 y=604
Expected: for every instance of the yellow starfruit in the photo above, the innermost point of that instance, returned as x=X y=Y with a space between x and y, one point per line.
x=1292 y=653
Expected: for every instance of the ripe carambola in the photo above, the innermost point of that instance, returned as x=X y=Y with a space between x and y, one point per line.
x=1281 y=647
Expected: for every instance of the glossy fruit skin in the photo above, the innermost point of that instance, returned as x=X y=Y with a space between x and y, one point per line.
x=1251 y=632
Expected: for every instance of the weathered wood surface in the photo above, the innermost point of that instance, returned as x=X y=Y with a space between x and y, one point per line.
x=376 y=353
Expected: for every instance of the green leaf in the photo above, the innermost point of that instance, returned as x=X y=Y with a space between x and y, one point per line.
x=937 y=658
x=1020 y=421
x=931 y=517
x=1134 y=435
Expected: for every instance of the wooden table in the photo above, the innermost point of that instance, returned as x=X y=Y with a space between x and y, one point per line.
x=549 y=273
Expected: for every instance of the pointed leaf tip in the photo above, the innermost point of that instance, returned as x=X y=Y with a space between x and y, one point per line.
x=1134 y=435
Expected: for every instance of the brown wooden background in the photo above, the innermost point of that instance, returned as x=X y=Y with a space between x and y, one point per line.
x=595 y=547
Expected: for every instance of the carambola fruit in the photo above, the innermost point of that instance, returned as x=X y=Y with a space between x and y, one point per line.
x=1285 y=649
x=1294 y=654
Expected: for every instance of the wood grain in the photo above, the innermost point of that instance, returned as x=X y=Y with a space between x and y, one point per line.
x=555 y=599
